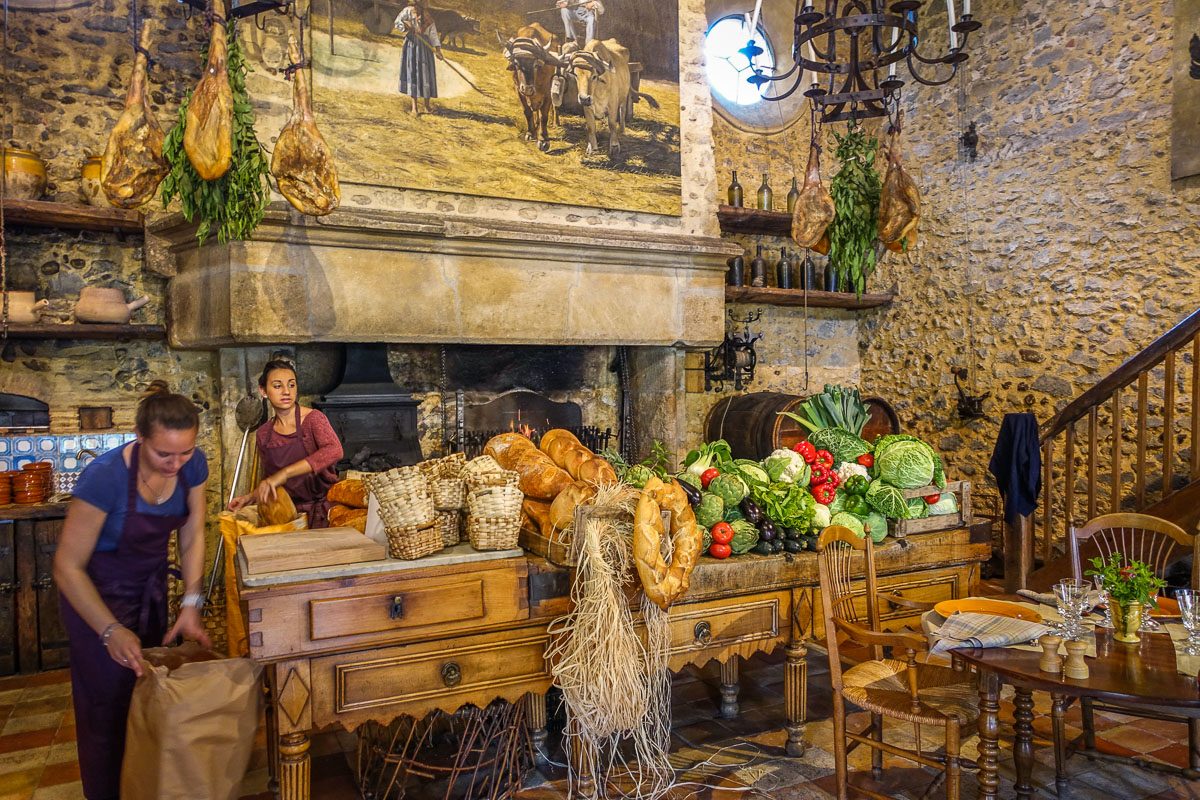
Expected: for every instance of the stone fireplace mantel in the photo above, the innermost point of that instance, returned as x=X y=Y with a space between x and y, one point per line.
x=383 y=276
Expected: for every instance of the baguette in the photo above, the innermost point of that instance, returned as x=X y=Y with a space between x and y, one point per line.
x=579 y=462
x=348 y=493
x=538 y=512
x=540 y=477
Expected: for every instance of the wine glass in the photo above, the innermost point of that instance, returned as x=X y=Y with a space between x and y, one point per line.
x=1071 y=596
x=1189 y=610
x=1107 y=621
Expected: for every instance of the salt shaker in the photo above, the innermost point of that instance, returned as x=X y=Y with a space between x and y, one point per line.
x=1051 y=661
x=1076 y=667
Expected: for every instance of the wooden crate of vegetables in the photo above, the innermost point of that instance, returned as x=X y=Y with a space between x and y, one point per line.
x=948 y=508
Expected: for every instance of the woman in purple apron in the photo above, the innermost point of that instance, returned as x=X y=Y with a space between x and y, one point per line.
x=298 y=448
x=111 y=568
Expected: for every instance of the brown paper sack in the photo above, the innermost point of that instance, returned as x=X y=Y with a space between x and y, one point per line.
x=191 y=725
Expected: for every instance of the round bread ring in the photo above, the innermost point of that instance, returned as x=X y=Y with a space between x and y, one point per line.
x=664 y=582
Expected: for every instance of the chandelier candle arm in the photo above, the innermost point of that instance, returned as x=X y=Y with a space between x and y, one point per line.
x=950 y=14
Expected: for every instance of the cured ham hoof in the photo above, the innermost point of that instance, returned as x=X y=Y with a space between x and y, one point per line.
x=544 y=145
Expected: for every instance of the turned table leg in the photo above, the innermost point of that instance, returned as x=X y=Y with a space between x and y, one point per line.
x=729 y=688
x=295 y=767
x=1060 y=744
x=272 y=743
x=989 y=731
x=795 y=688
x=535 y=708
x=1023 y=744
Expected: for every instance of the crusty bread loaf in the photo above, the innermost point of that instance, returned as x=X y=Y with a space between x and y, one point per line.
x=538 y=512
x=562 y=510
x=539 y=476
x=597 y=471
x=579 y=462
x=348 y=493
x=664 y=582
x=278 y=511
x=345 y=517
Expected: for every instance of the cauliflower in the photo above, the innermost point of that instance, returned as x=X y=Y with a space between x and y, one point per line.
x=785 y=466
x=849 y=468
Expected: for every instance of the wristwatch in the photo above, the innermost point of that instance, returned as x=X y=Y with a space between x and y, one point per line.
x=193 y=600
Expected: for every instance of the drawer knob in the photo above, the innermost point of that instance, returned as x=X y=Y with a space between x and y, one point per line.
x=703 y=632
x=451 y=673
x=397 y=609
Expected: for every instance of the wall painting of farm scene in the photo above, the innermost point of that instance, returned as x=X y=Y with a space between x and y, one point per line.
x=511 y=97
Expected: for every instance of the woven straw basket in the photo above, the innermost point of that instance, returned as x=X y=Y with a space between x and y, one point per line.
x=410 y=543
x=403 y=495
x=449 y=494
x=494 y=517
x=448 y=527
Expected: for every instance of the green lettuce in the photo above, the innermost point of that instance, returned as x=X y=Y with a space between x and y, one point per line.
x=850 y=521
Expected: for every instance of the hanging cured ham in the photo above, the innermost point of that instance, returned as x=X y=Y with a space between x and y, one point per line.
x=133 y=164
x=814 y=208
x=899 y=201
x=302 y=162
x=208 y=131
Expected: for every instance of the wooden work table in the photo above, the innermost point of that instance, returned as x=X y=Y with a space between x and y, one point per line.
x=408 y=638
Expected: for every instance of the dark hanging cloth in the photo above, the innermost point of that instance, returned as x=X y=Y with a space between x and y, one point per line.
x=1017 y=465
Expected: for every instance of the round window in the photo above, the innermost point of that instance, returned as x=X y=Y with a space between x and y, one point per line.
x=728 y=67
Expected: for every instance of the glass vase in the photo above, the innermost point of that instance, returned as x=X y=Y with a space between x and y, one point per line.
x=1127 y=619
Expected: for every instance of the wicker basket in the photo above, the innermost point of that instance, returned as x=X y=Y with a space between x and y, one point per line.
x=450 y=466
x=479 y=465
x=448 y=527
x=494 y=534
x=449 y=494
x=410 y=543
x=484 y=480
x=403 y=495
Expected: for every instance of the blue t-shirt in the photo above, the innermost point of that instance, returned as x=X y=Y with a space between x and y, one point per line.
x=105 y=484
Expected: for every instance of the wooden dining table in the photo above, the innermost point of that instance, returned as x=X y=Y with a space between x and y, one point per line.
x=1142 y=675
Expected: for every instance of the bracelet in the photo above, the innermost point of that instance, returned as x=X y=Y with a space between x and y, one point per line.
x=192 y=600
x=109 y=631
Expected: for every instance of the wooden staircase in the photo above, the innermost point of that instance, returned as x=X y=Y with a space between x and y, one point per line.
x=1118 y=447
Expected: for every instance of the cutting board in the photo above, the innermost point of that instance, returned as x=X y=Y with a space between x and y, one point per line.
x=324 y=547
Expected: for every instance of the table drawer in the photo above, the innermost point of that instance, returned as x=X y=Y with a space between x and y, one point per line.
x=744 y=625
x=415 y=679
x=385 y=612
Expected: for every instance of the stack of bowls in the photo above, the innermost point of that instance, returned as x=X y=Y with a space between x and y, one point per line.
x=33 y=486
x=5 y=488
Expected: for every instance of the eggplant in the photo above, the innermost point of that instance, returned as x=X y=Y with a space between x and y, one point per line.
x=767 y=530
x=791 y=533
x=792 y=546
x=777 y=546
x=693 y=494
x=751 y=511
x=762 y=549
x=810 y=543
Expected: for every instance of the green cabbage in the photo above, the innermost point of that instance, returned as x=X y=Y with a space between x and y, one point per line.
x=750 y=471
x=733 y=514
x=906 y=464
x=879 y=526
x=690 y=478
x=710 y=511
x=917 y=508
x=947 y=505
x=885 y=443
x=730 y=488
x=887 y=500
x=844 y=446
x=821 y=517
x=839 y=502
x=850 y=521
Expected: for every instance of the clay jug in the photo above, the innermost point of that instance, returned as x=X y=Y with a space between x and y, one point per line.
x=23 y=309
x=98 y=304
x=89 y=183
x=24 y=174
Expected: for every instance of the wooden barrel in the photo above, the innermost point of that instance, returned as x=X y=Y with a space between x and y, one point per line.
x=752 y=425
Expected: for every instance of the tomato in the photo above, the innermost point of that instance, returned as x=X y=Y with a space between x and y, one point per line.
x=932 y=498
x=718 y=550
x=722 y=533
x=825 y=457
x=707 y=476
x=867 y=460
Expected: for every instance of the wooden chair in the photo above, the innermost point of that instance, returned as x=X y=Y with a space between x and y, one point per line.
x=1156 y=542
x=922 y=694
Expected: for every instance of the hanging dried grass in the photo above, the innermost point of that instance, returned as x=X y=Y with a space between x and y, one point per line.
x=616 y=689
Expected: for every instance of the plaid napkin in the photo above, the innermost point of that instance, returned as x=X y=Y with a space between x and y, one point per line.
x=985 y=630
x=1048 y=598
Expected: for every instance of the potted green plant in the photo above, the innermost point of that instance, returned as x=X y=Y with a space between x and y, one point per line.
x=1130 y=585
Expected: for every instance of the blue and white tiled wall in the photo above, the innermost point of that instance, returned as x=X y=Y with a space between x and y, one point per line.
x=61 y=451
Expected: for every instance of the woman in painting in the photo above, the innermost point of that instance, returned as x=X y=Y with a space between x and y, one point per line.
x=111 y=567
x=418 y=74
x=298 y=448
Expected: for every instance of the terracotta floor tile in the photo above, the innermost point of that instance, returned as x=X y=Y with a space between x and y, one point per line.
x=35 y=722
x=27 y=740
x=23 y=759
x=1135 y=738
x=11 y=697
x=63 y=791
x=1105 y=746
x=1175 y=754
x=66 y=733
x=44 y=705
x=19 y=783
x=47 y=678
x=54 y=774
x=32 y=693
x=62 y=752
x=13 y=682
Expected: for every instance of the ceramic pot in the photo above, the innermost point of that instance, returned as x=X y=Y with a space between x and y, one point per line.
x=23 y=309
x=24 y=173
x=1127 y=619
x=98 y=304
x=89 y=182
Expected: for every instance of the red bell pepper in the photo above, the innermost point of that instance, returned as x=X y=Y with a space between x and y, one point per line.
x=824 y=494
x=820 y=474
x=932 y=498
x=825 y=457
x=867 y=460
x=834 y=480
x=806 y=450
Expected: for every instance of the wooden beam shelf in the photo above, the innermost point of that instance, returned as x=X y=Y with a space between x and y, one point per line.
x=754 y=221
x=84 y=331
x=795 y=297
x=45 y=214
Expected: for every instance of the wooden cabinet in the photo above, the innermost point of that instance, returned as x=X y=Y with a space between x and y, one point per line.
x=732 y=627
x=32 y=635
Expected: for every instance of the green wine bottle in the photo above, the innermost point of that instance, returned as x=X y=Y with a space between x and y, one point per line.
x=792 y=197
x=765 y=196
x=735 y=192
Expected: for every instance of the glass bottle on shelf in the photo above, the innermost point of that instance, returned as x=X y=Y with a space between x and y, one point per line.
x=783 y=270
x=765 y=196
x=758 y=269
x=792 y=197
x=735 y=192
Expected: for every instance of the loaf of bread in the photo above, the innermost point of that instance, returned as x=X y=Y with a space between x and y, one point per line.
x=538 y=512
x=345 y=517
x=579 y=462
x=278 y=511
x=348 y=493
x=562 y=510
x=540 y=477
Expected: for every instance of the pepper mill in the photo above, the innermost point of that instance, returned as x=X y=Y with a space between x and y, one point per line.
x=1051 y=661
x=1076 y=667
x=736 y=276
x=758 y=269
x=783 y=270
